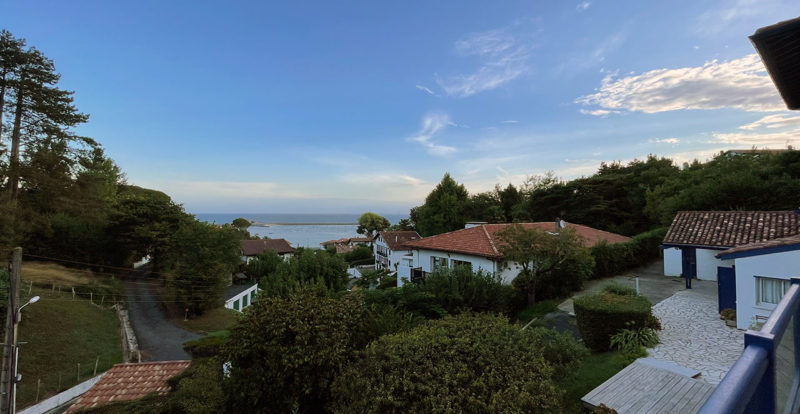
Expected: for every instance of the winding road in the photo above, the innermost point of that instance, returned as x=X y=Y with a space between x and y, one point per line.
x=159 y=338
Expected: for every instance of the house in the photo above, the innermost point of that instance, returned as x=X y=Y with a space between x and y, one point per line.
x=238 y=297
x=695 y=238
x=477 y=247
x=350 y=242
x=252 y=248
x=760 y=275
x=126 y=382
x=390 y=251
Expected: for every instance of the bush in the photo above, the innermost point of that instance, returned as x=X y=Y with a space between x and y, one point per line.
x=728 y=314
x=617 y=258
x=207 y=346
x=388 y=282
x=603 y=315
x=631 y=339
x=360 y=255
x=465 y=363
x=618 y=289
x=199 y=388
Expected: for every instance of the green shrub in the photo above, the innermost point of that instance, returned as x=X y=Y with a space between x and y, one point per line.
x=631 y=339
x=466 y=363
x=388 y=282
x=603 y=315
x=617 y=258
x=619 y=289
x=199 y=388
x=559 y=349
x=207 y=346
x=360 y=255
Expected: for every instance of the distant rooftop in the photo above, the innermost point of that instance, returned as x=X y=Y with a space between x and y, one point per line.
x=234 y=290
x=256 y=247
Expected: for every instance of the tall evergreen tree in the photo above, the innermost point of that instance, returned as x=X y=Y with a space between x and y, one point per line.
x=445 y=208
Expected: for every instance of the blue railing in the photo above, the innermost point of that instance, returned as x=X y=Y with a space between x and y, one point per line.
x=766 y=377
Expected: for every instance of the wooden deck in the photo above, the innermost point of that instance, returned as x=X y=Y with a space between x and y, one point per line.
x=643 y=388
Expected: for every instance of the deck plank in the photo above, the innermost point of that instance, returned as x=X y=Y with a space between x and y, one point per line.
x=648 y=388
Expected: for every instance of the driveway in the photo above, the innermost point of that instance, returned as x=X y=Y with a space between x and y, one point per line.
x=159 y=339
x=694 y=336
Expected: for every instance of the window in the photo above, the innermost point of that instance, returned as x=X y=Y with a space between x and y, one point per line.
x=437 y=262
x=769 y=291
x=464 y=263
x=244 y=301
x=236 y=304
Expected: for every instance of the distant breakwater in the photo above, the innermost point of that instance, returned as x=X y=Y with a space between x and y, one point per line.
x=260 y=224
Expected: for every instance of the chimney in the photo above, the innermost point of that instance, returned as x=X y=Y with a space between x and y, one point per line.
x=471 y=224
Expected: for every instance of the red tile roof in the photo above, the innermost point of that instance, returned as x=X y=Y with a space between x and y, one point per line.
x=483 y=240
x=256 y=247
x=396 y=240
x=124 y=382
x=769 y=244
x=731 y=228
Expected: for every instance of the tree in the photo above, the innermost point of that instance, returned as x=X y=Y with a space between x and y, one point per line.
x=445 y=208
x=306 y=268
x=297 y=345
x=471 y=363
x=402 y=225
x=538 y=253
x=369 y=224
x=241 y=223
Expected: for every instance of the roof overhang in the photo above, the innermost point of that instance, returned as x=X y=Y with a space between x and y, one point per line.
x=759 y=252
x=696 y=246
x=779 y=48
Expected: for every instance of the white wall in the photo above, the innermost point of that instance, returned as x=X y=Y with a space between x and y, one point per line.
x=404 y=270
x=707 y=264
x=673 y=264
x=783 y=265
x=229 y=302
x=422 y=258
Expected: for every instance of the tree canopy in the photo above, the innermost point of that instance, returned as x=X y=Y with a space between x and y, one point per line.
x=444 y=210
x=369 y=224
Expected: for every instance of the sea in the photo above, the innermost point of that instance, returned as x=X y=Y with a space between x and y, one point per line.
x=300 y=230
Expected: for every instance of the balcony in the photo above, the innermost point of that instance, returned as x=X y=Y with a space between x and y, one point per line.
x=766 y=377
x=418 y=275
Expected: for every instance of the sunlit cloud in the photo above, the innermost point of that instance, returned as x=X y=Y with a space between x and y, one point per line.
x=425 y=89
x=432 y=124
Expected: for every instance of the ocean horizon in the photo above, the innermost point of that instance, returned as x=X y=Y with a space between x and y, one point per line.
x=300 y=230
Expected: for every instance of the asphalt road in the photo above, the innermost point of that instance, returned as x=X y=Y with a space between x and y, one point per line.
x=159 y=339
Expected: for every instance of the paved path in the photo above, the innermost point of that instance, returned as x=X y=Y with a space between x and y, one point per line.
x=693 y=335
x=159 y=338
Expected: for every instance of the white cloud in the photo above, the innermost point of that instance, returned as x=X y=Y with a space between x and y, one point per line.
x=509 y=121
x=773 y=121
x=503 y=58
x=582 y=6
x=665 y=141
x=425 y=89
x=741 y=83
x=432 y=124
x=596 y=112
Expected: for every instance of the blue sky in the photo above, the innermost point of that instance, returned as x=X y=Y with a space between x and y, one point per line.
x=342 y=107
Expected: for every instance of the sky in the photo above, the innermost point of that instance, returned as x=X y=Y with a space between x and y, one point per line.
x=344 y=107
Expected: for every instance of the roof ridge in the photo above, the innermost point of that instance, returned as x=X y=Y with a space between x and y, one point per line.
x=491 y=242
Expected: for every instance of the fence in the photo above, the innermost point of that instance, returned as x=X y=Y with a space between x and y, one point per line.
x=766 y=377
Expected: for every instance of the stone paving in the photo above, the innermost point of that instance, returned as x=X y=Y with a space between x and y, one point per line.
x=694 y=336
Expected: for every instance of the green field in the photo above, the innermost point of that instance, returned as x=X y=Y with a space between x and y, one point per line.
x=58 y=334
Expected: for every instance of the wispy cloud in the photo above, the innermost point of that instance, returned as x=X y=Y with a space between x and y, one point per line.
x=509 y=121
x=503 y=57
x=773 y=121
x=665 y=141
x=425 y=89
x=732 y=15
x=740 y=83
x=582 y=6
x=432 y=124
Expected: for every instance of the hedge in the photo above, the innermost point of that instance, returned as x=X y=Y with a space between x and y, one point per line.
x=603 y=315
x=614 y=259
x=207 y=346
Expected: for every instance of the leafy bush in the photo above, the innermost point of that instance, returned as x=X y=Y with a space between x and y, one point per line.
x=449 y=291
x=264 y=264
x=601 y=316
x=619 y=289
x=630 y=339
x=360 y=255
x=559 y=349
x=728 y=314
x=465 y=363
x=207 y=346
x=199 y=388
x=617 y=258
x=388 y=282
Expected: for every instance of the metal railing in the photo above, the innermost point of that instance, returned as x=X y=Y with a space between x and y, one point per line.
x=766 y=377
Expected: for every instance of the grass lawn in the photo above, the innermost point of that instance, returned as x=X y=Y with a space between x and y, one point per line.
x=594 y=370
x=536 y=310
x=61 y=333
x=218 y=319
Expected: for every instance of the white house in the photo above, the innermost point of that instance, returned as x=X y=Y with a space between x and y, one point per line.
x=238 y=297
x=391 y=253
x=760 y=276
x=477 y=248
x=252 y=248
x=695 y=238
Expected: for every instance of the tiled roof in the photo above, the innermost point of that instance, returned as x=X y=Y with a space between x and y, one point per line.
x=396 y=240
x=484 y=241
x=769 y=244
x=731 y=228
x=343 y=248
x=360 y=240
x=234 y=290
x=124 y=382
x=256 y=247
